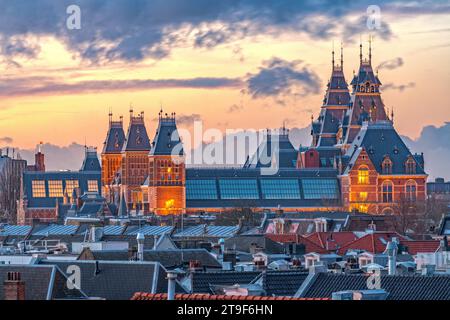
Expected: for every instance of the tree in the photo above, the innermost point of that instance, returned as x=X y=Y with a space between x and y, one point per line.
x=10 y=180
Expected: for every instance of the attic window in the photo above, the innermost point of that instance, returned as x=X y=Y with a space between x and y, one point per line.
x=387 y=166
x=410 y=166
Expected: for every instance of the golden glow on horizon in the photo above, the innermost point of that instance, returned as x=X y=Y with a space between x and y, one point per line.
x=65 y=118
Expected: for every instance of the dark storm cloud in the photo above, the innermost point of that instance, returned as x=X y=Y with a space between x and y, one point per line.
x=391 y=64
x=278 y=77
x=132 y=30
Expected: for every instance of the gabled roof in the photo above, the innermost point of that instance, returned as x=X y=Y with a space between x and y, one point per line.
x=380 y=139
x=298 y=239
x=414 y=247
x=90 y=162
x=115 y=138
x=167 y=139
x=374 y=242
x=116 y=280
x=170 y=258
x=137 y=137
x=332 y=240
x=41 y=282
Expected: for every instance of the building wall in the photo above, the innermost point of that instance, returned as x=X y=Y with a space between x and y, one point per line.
x=367 y=196
x=166 y=189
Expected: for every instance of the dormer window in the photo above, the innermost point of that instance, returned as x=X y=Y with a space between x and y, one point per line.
x=386 y=166
x=410 y=166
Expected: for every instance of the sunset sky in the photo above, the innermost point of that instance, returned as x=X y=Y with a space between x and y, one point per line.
x=230 y=63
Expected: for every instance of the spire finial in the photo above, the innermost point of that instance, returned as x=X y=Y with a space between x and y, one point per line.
x=342 y=56
x=370 y=49
x=332 y=54
x=360 y=50
x=392 y=115
x=131 y=110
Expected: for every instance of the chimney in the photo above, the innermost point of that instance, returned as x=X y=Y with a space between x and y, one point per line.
x=171 y=276
x=39 y=160
x=391 y=251
x=195 y=265
x=14 y=287
x=140 y=240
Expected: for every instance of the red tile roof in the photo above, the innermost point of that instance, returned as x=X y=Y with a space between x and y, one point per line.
x=420 y=246
x=334 y=239
x=310 y=246
x=372 y=242
x=202 y=296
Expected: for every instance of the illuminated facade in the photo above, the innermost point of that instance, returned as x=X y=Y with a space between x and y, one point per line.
x=357 y=162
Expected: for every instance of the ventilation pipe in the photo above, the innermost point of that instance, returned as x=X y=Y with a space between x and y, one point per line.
x=140 y=241
x=171 y=276
x=391 y=251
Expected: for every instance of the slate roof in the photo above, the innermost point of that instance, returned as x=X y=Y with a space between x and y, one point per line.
x=282 y=283
x=91 y=162
x=115 y=138
x=445 y=226
x=380 y=139
x=41 y=282
x=209 y=231
x=202 y=281
x=404 y=287
x=116 y=280
x=310 y=246
x=286 y=153
x=243 y=243
x=167 y=138
x=137 y=137
x=170 y=259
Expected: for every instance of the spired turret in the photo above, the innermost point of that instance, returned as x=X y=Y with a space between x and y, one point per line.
x=335 y=105
x=366 y=104
x=111 y=155
x=165 y=184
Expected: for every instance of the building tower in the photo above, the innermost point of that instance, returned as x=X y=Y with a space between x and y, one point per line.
x=335 y=105
x=112 y=155
x=135 y=160
x=167 y=177
x=366 y=104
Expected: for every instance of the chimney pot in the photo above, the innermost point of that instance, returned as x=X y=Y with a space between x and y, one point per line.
x=14 y=287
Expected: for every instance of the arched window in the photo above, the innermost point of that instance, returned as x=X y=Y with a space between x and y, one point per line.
x=410 y=166
x=411 y=190
x=387 y=191
x=363 y=175
x=386 y=166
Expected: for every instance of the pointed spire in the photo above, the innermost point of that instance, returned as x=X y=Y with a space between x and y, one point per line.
x=370 y=49
x=332 y=54
x=131 y=110
x=342 y=56
x=110 y=115
x=392 y=115
x=360 y=51
x=122 y=206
